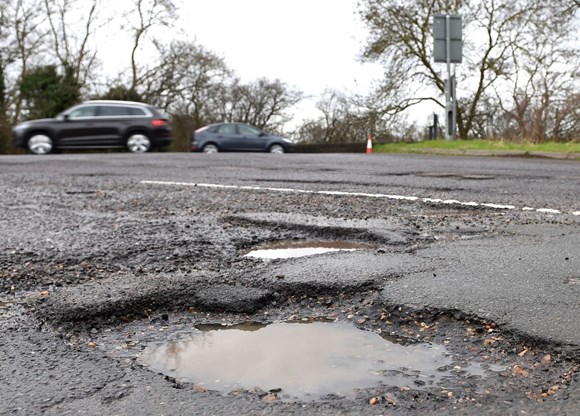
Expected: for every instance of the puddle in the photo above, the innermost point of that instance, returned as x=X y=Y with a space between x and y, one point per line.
x=306 y=361
x=290 y=249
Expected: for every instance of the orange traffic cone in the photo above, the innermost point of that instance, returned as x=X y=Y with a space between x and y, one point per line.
x=369 y=145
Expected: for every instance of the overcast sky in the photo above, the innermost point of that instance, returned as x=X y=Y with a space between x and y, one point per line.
x=310 y=44
x=313 y=44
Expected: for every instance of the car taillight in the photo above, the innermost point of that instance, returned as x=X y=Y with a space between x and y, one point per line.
x=159 y=123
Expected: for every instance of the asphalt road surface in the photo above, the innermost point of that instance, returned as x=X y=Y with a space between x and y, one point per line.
x=104 y=255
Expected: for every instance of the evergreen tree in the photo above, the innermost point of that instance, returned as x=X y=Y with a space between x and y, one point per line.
x=46 y=93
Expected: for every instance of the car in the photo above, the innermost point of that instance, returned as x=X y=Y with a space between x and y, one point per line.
x=238 y=137
x=98 y=124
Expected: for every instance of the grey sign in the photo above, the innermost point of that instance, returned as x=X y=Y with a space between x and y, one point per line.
x=444 y=30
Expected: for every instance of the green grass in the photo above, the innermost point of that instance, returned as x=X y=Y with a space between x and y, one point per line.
x=489 y=145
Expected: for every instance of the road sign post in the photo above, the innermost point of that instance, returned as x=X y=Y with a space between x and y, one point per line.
x=447 y=48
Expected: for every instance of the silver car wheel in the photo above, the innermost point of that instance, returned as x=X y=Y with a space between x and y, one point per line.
x=138 y=143
x=210 y=148
x=276 y=148
x=40 y=144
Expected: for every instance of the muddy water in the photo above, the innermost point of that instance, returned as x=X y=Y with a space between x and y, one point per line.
x=306 y=361
x=289 y=249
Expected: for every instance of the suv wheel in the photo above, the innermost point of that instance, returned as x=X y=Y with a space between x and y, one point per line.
x=138 y=143
x=40 y=144
x=276 y=148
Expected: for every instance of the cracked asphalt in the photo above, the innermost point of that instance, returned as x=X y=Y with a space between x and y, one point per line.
x=104 y=254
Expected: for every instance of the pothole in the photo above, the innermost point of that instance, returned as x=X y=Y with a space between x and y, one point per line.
x=302 y=248
x=304 y=361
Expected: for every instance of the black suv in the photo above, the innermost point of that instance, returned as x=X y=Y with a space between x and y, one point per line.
x=97 y=125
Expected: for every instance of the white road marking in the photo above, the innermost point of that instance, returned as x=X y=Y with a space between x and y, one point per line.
x=361 y=194
x=497 y=206
x=548 y=210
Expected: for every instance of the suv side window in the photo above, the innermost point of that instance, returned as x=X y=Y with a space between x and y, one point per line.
x=82 y=112
x=137 y=111
x=114 y=110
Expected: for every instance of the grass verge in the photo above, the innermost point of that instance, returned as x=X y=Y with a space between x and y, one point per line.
x=482 y=145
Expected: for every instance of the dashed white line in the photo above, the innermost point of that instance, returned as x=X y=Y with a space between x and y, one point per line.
x=498 y=206
x=361 y=194
x=548 y=211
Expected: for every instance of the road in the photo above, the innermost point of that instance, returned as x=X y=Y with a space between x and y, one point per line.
x=478 y=254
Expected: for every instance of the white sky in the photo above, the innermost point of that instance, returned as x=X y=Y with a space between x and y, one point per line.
x=312 y=45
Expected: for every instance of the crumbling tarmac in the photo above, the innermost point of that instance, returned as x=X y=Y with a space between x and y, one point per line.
x=93 y=272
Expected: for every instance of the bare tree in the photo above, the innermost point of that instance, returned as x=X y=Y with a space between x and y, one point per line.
x=541 y=77
x=34 y=34
x=340 y=120
x=350 y=119
x=23 y=41
x=496 y=33
x=262 y=103
x=148 y=14
x=4 y=122
x=186 y=80
x=185 y=83
x=567 y=119
x=4 y=58
x=70 y=40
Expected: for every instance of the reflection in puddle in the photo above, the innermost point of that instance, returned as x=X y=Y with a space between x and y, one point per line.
x=289 y=249
x=306 y=361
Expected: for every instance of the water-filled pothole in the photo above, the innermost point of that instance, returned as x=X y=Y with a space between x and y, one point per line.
x=298 y=360
x=301 y=248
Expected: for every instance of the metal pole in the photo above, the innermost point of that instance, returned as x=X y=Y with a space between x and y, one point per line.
x=453 y=105
x=449 y=86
